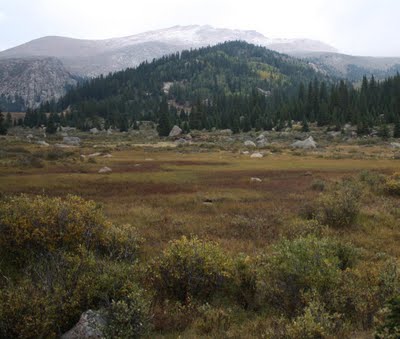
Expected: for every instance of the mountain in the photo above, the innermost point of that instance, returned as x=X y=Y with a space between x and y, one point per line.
x=352 y=67
x=30 y=81
x=209 y=74
x=95 y=57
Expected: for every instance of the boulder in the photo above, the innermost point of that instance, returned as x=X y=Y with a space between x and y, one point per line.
x=63 y=146
x=226 y=131
x=334 y=134
x=43 y=143
x=395 y=144
x=255 y=180
x=262 y=143
x=256 y=155
x=93 y=155
x=181 y=141
x=249 y=143
x=305 y=144
x=260 y=137
x=245 y=152
x=90 y=326
x=72 y=141
x=107 y=156
x=105 y=170
x=175 y=131
x=94 y=130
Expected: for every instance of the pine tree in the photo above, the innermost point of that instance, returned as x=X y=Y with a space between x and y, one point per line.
x=164 y=125
x=396 y=131
x=384 y=132
x=304 y=126
x=51 y=127
x=3 y=125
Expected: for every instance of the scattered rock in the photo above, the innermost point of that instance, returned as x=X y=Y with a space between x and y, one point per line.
x=246 y=152
x=226 y=132
x=334 y=134
x=63 y=146
x=175 y=131
x=395 y=144
x=93 y=155
x=249 y=143
x=94 y=130
x=308 y=174
x=67 y=129
x=43 y=143
x=73 y=141
x=181 y=141
x=188 y=137
x=305 y=144
x=89 y=326
x=105 y=170
x=260 y=137
x=107 y=156
x=255 y=180
x=262 y=143
x=256 y=155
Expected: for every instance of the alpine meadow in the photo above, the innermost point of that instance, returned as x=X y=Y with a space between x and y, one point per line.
x=199 y=182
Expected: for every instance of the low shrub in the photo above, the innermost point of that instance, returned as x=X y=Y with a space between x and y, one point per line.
x=390 y=327
x=213 y=321
x=340 y=207
x=40 y=224
x=392 y=184
x=190 y=268
x=299 y=266
x=128 y=317
x=318 y=185
x=315 y=322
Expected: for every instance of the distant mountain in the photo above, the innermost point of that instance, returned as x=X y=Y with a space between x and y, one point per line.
x=30 y=81
x=95 y=57
x=352 y=67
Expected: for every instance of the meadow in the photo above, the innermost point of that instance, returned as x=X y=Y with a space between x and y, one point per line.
x=211 y=192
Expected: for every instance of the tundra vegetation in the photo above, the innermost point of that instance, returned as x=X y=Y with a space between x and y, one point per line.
x=179 y=239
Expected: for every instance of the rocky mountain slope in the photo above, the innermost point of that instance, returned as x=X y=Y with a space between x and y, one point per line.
x=33 y=80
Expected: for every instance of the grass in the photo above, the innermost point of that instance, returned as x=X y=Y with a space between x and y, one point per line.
x=169 y=192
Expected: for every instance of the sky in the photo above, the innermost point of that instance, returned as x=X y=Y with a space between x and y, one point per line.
x=358 y=27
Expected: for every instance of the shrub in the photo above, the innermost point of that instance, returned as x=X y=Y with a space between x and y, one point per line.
x=213 y=321
x=245 y=282
x=128 y=317
x=390 y=328
x=299 y=266
x=315 y=322
x=190 y=268
x=51 y=294
x=318 y=185
x=392 y=184
x=40 y=224
x=340 y=207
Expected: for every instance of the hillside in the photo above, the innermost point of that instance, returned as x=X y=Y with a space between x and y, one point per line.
x=204 y=74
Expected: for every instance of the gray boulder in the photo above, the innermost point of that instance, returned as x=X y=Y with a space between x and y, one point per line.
x=255 y=180
x=262 y=143
x=256 y=155
x=43 y=143
x=309 y=143
x=105 y=170
x=72 y=141
x=226 y=131
x=175 y=131
x=90 y=326
x=94 y=130
x=249 y=143
x=395 y=144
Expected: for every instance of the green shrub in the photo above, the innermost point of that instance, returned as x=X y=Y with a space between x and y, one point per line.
x=390 y=328
x=315 y=322
x=39 y=224
x=318 y=185
x=245 y=282
x=392 y=184
x=299 y=266
x=190 y=268
x=340 y=207
x=49 y=296
x=213 y=321
x=128 y=317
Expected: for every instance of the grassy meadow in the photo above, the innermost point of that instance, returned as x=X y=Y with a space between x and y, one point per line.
x=206 y=191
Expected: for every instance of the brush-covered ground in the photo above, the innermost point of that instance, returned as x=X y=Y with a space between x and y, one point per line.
x=214 y=243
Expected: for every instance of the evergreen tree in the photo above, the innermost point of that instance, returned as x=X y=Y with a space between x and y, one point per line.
x=384 y=132
x=9 y=121
x=164 y=125
x=396 y=131
x=3 y=125
x=51 y=127
x=304 y=126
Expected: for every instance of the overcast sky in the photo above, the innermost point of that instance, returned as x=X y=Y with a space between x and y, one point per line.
x=362 y=27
